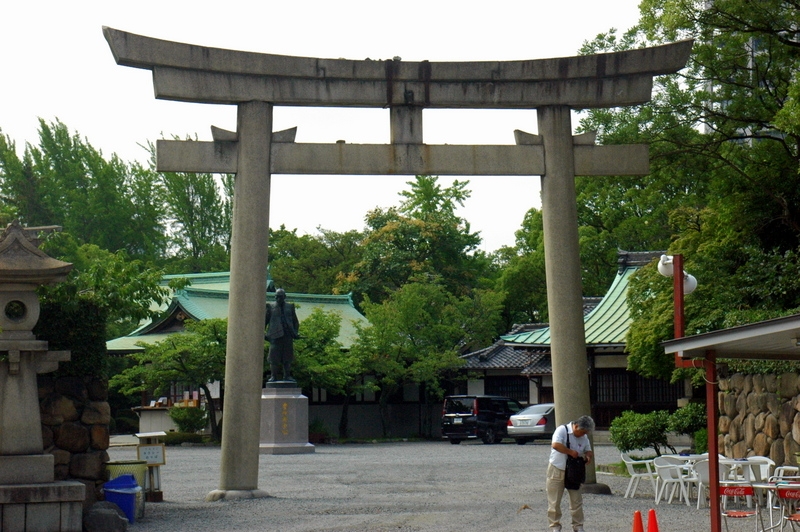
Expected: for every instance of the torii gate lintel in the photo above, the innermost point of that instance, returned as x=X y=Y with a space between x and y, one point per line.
x=288 y=157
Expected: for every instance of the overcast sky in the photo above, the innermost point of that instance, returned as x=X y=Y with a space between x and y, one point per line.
x=56 y=64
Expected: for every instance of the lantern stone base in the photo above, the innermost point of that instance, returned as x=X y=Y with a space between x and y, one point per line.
x=284 y=420
x=51 y=506
x=26 y=469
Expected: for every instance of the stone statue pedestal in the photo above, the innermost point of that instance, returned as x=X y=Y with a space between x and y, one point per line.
x=284 y=419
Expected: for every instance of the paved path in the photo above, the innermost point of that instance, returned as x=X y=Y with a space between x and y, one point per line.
x=427 y=486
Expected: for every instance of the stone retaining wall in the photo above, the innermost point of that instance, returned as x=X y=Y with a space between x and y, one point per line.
x=760 y=415
x=75 y=429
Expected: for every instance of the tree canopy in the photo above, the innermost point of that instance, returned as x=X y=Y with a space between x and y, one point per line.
x=421 y=240
x=725 y=168
x=312 y=264
x=195 y=357
x=414 y=337
x=66 y=181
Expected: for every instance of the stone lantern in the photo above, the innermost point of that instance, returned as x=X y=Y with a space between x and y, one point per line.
x=29 y=496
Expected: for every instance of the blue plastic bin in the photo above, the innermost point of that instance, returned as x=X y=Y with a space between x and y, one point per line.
x=122 y=492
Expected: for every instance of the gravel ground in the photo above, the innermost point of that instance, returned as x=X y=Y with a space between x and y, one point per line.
x=403 y=487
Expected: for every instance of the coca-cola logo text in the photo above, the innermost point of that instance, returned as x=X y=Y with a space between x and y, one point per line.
x=789 y=494
x=736 y=491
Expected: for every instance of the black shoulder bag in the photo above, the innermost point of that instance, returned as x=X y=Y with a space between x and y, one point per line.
x=575 y=474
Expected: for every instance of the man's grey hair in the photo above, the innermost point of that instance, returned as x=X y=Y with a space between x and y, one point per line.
x=585 y=423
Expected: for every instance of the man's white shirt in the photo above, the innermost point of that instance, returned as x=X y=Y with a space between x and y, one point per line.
x=580 y=444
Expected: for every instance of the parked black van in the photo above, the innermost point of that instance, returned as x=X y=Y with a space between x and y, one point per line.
x=477 y=416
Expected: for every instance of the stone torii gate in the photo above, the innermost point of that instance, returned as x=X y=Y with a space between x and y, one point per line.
x=256 y=82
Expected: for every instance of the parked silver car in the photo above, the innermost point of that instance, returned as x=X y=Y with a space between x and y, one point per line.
x=533 y=422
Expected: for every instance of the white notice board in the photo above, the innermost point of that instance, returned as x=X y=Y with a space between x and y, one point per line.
x=153 y=454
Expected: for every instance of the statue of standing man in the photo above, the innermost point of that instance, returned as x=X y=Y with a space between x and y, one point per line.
x=282 y=329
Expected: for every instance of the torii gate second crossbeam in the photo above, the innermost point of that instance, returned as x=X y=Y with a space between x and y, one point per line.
x=256 y=82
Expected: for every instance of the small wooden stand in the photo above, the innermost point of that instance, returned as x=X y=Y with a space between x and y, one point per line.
x=152 y=451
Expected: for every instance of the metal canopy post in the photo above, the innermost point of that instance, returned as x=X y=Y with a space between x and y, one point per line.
x=712 y=414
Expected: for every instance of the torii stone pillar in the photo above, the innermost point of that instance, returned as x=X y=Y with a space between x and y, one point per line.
x=248 y=290
x=254 y=82
x=563 y=269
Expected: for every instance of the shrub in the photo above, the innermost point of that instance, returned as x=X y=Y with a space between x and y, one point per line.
x=688 y=419
x=633 y=431
x=189 y=419
x=700 y=439
x=318 y=426
x=125 y=425
x=177 y=438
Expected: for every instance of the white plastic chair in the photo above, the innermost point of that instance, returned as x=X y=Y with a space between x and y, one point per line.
x=786 y=471
x=638 y=469
x=701 y=472
x=672 y=471
x=760 y=473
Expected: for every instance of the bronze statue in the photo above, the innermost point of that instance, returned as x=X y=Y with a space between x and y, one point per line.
x=281 y=330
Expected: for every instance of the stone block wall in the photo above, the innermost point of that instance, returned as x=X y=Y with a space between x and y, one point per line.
x=75 y=429
x=760 y=415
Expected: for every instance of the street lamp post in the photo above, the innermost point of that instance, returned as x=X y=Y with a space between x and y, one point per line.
x=683 y=283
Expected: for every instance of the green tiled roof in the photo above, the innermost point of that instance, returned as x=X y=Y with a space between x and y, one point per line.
x=606 y=325
x=127 y=344
x=207 y=297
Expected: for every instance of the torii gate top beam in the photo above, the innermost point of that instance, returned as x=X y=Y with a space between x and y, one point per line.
x=191 y=73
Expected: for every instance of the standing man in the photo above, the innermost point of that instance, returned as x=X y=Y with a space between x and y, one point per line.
x=579 y=446
x=282 y=326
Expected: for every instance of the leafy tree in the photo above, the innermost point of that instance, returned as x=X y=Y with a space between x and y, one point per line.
x=124 y=290
x=312 y=264
x=738 y=81
x=724 y=163
x=422 y=238
x=417 y=333
x=65 y=181
x=195 y=357
x=199 y=208
x=632 y=212
x=321 y=362
x=788 y=117
x=522 y=276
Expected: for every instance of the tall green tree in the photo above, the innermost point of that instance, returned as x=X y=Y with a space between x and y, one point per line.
x=738 y=82
x=423 y=238
x=66 y=181
x=416 y=335
x=522 y=276
x=322 y=362
x=312 y=264
x=725 y=159
x=195 y=357
x=126 y=291
x=199 y=209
